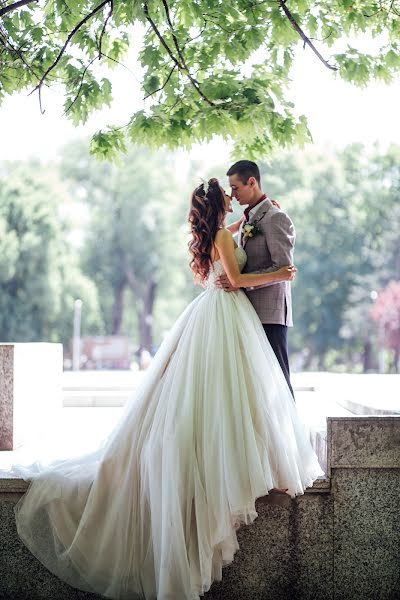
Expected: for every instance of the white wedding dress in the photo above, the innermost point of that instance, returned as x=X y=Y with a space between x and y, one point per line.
x=153 y=513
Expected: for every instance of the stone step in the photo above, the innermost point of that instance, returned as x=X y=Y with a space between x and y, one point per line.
x=96 y=397
x=113 y=396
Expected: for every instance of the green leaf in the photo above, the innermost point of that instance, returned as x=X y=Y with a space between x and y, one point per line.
x=212 y=44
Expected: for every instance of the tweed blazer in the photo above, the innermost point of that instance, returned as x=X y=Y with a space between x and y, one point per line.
x=268 y=251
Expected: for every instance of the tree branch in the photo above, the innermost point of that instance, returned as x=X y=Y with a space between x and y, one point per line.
x=172 y=106
x=6 y=42
x=306 y=40
x=393 y=9
x=80 y=86
x=207 y=19
x=10 y=7
x=163 y=86
x=93 y=59
x=181 y=65
x=117 y=62
x=160 y=37
x=189 y=40
x=70 y=36
x=180 y=54
x=104 y=26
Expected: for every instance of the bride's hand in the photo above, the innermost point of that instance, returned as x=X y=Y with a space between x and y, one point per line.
x=223 y=283
x=287 y=273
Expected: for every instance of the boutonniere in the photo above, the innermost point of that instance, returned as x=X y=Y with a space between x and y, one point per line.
x=250 y=230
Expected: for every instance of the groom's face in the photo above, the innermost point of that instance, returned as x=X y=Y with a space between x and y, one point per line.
x=243 y=192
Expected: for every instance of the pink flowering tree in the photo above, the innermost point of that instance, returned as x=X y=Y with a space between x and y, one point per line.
x=386 y=312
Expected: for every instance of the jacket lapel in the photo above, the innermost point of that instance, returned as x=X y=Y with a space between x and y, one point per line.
x=262 y=210
x=255 y=219
x=258 y=215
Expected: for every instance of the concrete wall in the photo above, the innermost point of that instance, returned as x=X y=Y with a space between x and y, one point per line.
x=340 y=541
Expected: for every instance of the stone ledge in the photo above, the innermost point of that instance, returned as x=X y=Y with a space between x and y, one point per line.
x=368 y=442
x=363 y=410
x=320 y=486
x=285 y=554
x=338 y=543
x=14 y=485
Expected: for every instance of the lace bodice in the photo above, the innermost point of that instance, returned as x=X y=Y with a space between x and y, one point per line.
x=217 y=269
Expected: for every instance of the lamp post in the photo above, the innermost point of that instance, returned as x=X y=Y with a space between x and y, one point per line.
x=76 y=339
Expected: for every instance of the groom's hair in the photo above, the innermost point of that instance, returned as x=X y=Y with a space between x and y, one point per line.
x=245 y=169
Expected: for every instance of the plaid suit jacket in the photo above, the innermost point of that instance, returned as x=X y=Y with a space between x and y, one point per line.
x=268 y=251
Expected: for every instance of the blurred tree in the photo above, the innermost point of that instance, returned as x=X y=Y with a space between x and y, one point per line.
x=346 y=211
x=39 y=277
x=207 y=67
x=374 y=178
x=116 y=236
x=327 y=257
x=386 y=312
x=135 y=247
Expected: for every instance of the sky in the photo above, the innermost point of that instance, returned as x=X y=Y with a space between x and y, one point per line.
x=338 y=113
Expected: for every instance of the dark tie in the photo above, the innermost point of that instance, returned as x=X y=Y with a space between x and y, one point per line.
x=246 y=213
x=249 y=208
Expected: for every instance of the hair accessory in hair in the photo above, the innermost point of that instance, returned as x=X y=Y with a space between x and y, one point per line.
x=212 y=184
x=200 y=191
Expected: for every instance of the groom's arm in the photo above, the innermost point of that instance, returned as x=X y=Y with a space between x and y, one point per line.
x=280 y=236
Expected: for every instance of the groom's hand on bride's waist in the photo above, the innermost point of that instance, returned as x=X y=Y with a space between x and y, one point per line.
x=224 y=284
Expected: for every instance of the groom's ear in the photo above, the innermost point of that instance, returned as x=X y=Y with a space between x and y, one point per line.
x=252 y=181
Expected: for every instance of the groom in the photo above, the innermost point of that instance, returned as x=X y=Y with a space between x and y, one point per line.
x=269 y=246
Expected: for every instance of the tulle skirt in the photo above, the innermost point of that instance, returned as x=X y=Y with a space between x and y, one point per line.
x=153 y=513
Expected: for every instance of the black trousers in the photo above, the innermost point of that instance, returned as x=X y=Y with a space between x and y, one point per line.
x=277 y=337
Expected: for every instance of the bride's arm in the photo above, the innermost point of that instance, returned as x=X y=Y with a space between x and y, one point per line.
x=226 y=250
x=234 y=227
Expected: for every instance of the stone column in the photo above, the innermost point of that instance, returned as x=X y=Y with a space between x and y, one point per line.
x=30 y=391
x=364 y=461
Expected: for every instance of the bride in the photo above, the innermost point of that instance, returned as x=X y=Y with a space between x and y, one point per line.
x=153 y=513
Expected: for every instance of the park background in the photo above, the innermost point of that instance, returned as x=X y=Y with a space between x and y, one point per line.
x=113 y=233
x=98 y=248
x=93 y=239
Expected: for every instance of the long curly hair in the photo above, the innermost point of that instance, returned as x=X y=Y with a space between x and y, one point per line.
x=206 y=216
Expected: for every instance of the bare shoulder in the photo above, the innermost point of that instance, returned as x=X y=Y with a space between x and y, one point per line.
x=223 y=236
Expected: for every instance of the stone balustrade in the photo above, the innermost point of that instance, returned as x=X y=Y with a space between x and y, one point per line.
x=339 y=541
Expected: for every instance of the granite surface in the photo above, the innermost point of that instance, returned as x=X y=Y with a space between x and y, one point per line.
x=367 y=534
x=334 y=543
x=364 y=442
x=286 y=553
x=11 y=485
x=22 y=576
x=6 y=396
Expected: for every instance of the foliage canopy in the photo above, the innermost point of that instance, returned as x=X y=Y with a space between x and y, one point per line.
x=209 y=67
